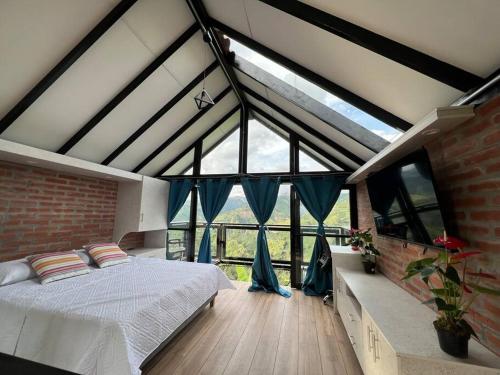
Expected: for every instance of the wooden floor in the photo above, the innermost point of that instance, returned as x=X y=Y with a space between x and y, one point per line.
x=260 y=333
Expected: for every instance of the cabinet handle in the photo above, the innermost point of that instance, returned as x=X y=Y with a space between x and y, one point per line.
x=351 y=339
x=351 y=317
x=369 y=332
x=375 y=355
x=142 y=217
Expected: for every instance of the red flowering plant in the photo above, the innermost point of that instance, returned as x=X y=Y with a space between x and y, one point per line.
x=453 y=285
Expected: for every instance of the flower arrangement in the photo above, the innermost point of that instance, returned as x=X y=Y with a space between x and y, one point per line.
x=454 y=288
x=363 y=241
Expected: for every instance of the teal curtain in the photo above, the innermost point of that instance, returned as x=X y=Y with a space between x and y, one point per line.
x=178 y=192
x=318 y=194
x=213 y=195
x=261 y=195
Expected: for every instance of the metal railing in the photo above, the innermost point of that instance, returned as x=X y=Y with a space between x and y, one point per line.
x=177 y=247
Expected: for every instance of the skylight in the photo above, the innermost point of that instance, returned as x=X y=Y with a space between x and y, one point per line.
x=365 y=120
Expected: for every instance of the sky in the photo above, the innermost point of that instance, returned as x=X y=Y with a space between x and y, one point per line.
x=369 y=122
x=267 y=152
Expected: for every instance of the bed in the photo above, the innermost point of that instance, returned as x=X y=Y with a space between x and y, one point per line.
x=110 y=321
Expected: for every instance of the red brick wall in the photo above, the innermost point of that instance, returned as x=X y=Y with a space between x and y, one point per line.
x=43 y=210
x=466 y=166
x=132 y=240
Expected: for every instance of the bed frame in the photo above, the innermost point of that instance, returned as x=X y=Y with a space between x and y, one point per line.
x=210 y=301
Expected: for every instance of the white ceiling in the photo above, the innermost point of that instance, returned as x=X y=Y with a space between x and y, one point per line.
x=36 y=35
x=394 y=87
x=463 y=33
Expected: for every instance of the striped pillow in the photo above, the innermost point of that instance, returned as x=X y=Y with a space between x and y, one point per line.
x=57 y=266
x=107 y=254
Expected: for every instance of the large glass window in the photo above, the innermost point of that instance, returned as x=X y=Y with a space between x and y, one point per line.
x=337 y=226
x=315 y=92
x=182 y=166
x=267 y=151
x=220 y=156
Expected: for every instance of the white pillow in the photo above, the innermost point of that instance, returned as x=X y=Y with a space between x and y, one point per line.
x=15 y=271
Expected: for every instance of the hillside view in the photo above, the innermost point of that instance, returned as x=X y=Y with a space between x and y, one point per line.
x=241 y=243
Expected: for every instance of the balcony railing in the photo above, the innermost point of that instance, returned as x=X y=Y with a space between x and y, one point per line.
x=223 y=233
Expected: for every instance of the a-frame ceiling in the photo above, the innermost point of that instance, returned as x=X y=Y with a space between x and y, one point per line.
x=113 y=81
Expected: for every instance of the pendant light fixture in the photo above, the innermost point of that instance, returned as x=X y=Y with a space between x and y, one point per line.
x=203 y=99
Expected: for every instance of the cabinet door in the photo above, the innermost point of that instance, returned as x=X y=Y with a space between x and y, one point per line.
x=154 y=199
x=379 y=358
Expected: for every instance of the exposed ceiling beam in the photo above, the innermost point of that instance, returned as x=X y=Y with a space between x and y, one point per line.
x=201 y=16
x=162 y=111
x=65 y=63
x=409 y=57
x=348 y=154
x=181 y=130
x=132 y=85
x=327 y=85
x=222 y=120
x=314 y=147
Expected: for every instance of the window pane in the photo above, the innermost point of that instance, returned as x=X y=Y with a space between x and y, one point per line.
x=281 y=212
x=267 y=151
x=182 y=217
x=183 y=166
x=213 y=241
x=315 y=92
x=244 y=273
x=177 y=244
x=236 y=209
x=308 y=164
x=338 y=222
x=221 y=157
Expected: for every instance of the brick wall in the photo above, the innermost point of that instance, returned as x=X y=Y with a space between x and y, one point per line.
x=43 y=210
x=466 y=166
x=132 y=240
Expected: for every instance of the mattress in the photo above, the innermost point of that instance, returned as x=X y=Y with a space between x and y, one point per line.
x=106 y=322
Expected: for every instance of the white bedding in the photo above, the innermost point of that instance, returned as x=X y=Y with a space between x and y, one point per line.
x=106 y=322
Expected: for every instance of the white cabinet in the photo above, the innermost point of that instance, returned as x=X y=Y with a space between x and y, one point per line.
x=391 y=331
x=141 y=206
x=378 y=356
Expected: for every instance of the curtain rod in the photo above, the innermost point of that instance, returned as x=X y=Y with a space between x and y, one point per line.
x=287 y=176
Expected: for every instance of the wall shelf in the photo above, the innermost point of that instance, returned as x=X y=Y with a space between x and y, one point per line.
x=436 y=123
x=27 y=155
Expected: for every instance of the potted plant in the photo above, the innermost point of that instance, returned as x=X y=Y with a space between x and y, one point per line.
x=363 y=241
x=454 y=288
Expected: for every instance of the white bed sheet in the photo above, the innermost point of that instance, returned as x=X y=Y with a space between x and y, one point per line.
x=106 y=322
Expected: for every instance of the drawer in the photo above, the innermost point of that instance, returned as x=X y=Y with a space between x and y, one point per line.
x=352 y=324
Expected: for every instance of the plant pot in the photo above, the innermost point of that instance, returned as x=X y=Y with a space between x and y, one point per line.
x=452 y=343
x=369 y=267
x=355 y=248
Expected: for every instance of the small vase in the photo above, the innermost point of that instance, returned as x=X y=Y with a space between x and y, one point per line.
x=369 y=267
x=452 y=343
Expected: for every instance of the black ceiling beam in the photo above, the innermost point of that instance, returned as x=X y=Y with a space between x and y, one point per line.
x=311 y=145
x=327 y=85
x=348 y=154
x=65 y=63
x=199 y=139
x=162 y=111
x=201 y=16
x=132 y=85
x=409 y=57
x=181 y=130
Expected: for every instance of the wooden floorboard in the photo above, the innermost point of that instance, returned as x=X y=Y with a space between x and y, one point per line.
x=260 y=334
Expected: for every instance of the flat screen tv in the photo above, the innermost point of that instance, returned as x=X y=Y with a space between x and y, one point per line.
x=404 y=200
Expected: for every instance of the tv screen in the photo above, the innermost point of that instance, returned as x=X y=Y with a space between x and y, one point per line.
x=404 y=200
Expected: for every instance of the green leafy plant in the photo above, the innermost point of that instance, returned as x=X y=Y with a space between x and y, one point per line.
x=363 y=240
x=453 y=285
